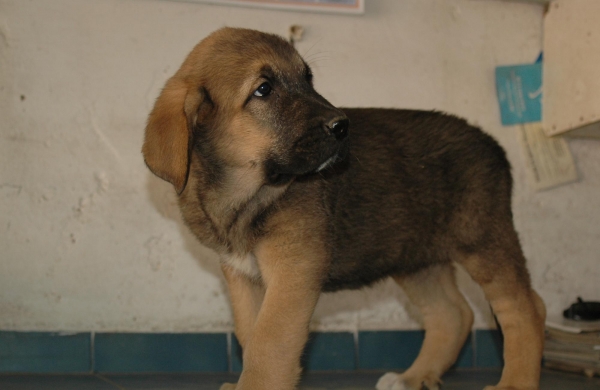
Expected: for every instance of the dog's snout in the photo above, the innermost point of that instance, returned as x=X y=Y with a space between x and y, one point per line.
x=338 y=127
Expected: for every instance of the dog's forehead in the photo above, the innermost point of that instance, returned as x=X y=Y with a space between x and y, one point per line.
x=243 y=51
x=282 y=66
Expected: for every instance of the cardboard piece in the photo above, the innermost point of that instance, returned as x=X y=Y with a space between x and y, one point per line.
x=571 y=68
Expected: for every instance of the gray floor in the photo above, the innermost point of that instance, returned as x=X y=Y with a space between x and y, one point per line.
x=471 y=379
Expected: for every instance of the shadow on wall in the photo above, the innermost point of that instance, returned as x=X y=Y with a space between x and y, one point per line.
x=164 y=199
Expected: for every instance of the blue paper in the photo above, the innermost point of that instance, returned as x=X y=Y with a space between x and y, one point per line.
x=519 y=90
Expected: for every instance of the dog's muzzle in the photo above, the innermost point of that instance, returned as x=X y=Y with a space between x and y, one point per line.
x=338 y=127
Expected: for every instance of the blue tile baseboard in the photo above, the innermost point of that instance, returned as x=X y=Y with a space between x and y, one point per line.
x=330 y=351
x=160 y=352
x=44 y=352
x=488 y=344
x=398 y=349
x=466 y=357
x=388 y=349
x=236 y=354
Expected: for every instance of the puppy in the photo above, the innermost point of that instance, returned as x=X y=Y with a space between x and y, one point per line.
x=300 y=197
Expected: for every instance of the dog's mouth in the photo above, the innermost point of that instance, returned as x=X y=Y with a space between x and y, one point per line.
x=277 y=174
x=329 y=162
x=310 y=155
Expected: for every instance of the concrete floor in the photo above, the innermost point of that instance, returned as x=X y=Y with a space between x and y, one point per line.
x=468 y=379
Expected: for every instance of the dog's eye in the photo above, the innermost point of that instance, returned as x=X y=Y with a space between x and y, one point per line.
x=263 y=90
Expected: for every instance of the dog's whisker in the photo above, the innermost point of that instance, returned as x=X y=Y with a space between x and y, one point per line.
x=316 y=60
x=311 y=47
x=357 y=159
x=317 y=55
x=326 y=52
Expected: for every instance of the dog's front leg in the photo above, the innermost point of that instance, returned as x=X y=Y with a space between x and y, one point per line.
x=292 y=275
x=246 y=298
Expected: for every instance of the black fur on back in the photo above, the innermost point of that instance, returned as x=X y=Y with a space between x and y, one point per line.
x=417 y=188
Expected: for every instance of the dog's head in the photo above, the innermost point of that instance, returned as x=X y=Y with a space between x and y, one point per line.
x=243 y=98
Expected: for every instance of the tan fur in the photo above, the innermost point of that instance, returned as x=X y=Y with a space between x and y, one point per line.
x=521 y=314
x=246 y=298
x=167 y=152
x=291 y=272
x=447 y=319
x=210 y=138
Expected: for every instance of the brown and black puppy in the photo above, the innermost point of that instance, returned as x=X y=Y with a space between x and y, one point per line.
x=300 y=197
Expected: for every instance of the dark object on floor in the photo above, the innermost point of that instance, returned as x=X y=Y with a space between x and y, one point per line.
x=583 y=311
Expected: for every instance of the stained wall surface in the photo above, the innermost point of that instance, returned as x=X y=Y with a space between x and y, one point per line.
x=90 y=240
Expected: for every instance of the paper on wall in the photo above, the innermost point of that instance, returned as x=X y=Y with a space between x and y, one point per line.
x=549 y=159
x=519 y=89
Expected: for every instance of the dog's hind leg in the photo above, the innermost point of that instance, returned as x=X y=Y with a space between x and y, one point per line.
x=519 y=310
x=447 y=319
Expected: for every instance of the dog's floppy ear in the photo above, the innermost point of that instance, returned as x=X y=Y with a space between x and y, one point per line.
x=168 y=138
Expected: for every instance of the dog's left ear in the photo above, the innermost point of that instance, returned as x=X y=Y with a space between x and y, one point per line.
x=168 y=138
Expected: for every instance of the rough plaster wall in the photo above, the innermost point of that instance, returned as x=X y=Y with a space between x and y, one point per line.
x=90 y=240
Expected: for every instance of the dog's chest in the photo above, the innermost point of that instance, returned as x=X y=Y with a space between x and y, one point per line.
x=244 y=264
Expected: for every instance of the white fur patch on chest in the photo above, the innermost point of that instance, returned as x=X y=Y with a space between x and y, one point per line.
x=246 y=265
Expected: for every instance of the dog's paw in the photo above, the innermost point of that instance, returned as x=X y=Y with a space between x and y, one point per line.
x=390 y=381
x=227 y=386
x=393 y=381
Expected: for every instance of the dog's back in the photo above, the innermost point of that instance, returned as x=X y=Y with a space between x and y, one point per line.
x=418 y=188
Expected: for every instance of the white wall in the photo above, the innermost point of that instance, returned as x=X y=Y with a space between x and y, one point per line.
x=90 y=240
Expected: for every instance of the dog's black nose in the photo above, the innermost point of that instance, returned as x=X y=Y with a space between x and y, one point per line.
x=339 y=127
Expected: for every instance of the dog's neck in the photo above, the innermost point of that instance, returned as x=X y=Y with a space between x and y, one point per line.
x=227 y=213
